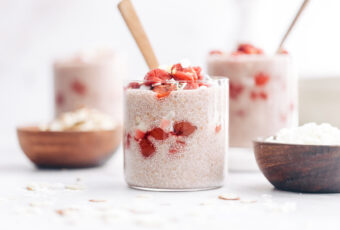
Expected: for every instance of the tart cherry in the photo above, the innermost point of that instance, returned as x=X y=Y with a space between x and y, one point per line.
x=235 y=90
x=156 y=75
x=78 y=87
x=60 y=99
x=164 y=90
x=184 y=128
x=218 y=128
x=158 y=134
x=261 y=79
x=147 y=148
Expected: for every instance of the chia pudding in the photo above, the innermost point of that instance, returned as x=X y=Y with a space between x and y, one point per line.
x=176 y=124
x=91 y=80
x=263 y=92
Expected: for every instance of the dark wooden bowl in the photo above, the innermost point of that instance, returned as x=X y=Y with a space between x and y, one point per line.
x=69 y=149
x=300 y=168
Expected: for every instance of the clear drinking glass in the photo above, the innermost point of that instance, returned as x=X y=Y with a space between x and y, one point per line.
x=263 y=95
x=177 y=142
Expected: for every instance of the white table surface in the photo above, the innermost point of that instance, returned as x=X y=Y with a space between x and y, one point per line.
x=260 y=205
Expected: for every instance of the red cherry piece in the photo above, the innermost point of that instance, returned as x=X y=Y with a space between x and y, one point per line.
x=164 y=90
x=78 y=87
x=237 y=53
x=158 y=134
x=235 y=90
x=139 y=134
x=184 y=76
x=263 y=95
x=146 y=147
x=249 y=49
x=253 y=95
x=218 y=128
x=134 y=85
x=261 y=79
x=203 y=84
x=215 y=52
x=60 y=99
x=156 y=75
x=283 y=51
x=176 y=67
x=198 y=71
x=184 y=128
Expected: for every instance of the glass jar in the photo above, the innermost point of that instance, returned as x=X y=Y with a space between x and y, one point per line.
x=263 y=99
x=177 y=142
x=92 y=81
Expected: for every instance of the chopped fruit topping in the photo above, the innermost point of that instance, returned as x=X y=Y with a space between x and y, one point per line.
x=176 y=147
x=261 y=79
x=134 y=85
x=165 y=124
x=283 y=51
x=249 y=49
x=78 y=87
x=236 y=53
x=176 y=67
x=158 y=134
x=218 y=128
x=216 y=52
x=60 y=99
x=139 y=134
x=164 y=90
x=235 y=90
x=184 y=76
x=203 y=84
x=157 y=75
x=147 y=148
x=184 y=128
x=198 y=71
x=263 y=95
x=253 y=95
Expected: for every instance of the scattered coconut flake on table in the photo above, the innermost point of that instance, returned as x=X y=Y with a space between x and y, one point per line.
x=228 y=197
x=310 y=133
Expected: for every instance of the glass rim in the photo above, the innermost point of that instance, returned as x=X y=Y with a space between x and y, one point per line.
x=212 y=80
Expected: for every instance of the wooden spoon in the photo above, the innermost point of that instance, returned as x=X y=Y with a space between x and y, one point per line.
x=298 y=14
x=135 y=26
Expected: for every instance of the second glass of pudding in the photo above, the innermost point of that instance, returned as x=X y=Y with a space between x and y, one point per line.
x=176 y=124
x=263 y=97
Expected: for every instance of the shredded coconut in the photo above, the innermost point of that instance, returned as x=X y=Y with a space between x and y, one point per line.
x=310 y=133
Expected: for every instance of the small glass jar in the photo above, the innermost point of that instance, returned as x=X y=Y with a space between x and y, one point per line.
x=92 y=81
x=263 y=99
x=178 y=142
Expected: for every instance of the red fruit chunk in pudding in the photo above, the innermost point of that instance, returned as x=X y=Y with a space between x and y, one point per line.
x=218 y=128
x=176 y=67
x=235 y=90
x=60 y=99
x=215 y=52
x=164 y=90
x=253 y=95
x=139 y=134
x=156 y=75
x=198 y=71
x=249 y=49
x=158 y=134
x=263 y=95
x=78 y=87
x=134 y=85
x=261 y=79
x=184 y=128
x=146 y=147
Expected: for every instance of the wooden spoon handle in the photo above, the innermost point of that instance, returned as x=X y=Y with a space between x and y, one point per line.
x=303 y=6
x=135 y=26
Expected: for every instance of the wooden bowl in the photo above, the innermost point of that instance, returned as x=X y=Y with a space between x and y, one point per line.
x=300 y=168
x=69 y=149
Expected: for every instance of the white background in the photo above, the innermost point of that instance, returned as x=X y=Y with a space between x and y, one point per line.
x=34 y=32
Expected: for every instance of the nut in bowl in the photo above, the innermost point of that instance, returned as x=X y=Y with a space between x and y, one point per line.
x=82 y=138
x=311 y=164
